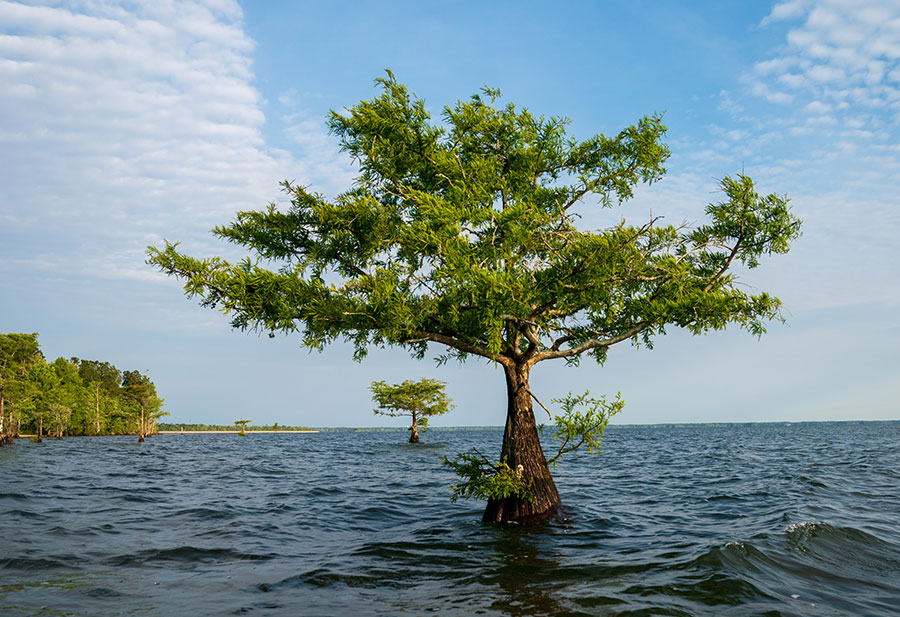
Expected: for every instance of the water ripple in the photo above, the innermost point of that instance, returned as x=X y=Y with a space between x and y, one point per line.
x=763 y=520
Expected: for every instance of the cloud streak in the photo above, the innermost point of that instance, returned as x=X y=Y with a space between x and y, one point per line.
x=122 y=126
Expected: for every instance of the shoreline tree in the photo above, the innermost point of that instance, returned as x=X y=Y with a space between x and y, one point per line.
x=243 y=424
x=70 y=396
x=417 y=399
x=18 y=353
x=140 y=394
x=464 y=233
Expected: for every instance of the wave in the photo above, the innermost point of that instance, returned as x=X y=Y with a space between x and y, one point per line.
x=29 y=564
x=185 y=555
x=359 y=524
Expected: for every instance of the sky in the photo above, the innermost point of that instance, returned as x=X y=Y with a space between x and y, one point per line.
x=124 y=123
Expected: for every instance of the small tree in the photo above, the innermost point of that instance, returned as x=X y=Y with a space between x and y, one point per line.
x=243 y=424
x=417 y=399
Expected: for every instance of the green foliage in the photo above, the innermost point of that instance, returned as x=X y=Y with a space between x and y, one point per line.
x=70 y=397
x=576 y=428
x=18 y=353
x=104 y=374
x=481 y=479
x=581 y=423
x=418 y=399
x=463 y=232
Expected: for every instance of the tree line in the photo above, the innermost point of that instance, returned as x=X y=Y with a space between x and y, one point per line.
x=71 y=396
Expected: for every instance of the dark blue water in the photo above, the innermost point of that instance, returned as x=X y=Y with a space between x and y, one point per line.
x=761 y=520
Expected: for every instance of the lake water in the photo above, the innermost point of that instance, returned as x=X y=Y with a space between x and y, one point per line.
x=758 y=520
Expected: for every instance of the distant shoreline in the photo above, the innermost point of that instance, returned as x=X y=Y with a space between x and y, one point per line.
x=670 y=425
x=660 y=425
x=27 y=435
x=248 y=432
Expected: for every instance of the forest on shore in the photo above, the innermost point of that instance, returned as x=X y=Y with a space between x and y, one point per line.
x=70 y=396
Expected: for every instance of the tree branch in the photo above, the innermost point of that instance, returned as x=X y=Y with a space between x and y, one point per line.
x=588 y=187
x=449 y=341
x=538 y=401
x=589 y=345
x=724 y=268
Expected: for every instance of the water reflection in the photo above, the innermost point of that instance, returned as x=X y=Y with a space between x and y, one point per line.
x=525 y=572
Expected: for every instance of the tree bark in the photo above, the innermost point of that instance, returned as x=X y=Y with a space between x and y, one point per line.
x=97 y=417
x=523 y=453
x=2 y=399
x=414 y=430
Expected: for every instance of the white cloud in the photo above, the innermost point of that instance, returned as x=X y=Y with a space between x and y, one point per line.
x=817 y=107
x=786 y=10
x=821 y=122
x=124 y=124
x=792 y=80
x=840 y=48
x=822 y=73
x=762 y=90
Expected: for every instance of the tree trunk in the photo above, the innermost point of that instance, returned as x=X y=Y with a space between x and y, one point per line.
x=414 y=430
x=97 y=417
x=2 y=401
x=2 y=396
x=523 y=453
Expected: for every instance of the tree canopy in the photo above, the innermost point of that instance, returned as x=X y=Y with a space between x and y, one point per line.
x=465 y=232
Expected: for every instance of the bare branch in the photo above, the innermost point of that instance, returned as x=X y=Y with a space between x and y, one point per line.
x=538 y=401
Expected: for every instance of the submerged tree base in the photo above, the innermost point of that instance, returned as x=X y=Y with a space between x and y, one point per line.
x=516 y=510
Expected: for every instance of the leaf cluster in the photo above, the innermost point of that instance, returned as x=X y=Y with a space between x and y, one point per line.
x=576 y=427
x=482 y=479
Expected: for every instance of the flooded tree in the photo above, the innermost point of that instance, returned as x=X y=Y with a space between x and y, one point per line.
x=243 y=424
x=417 y=399
x=140 y=395
x=466 y=233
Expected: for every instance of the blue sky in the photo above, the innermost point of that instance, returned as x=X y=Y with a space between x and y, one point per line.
x=123 y=123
